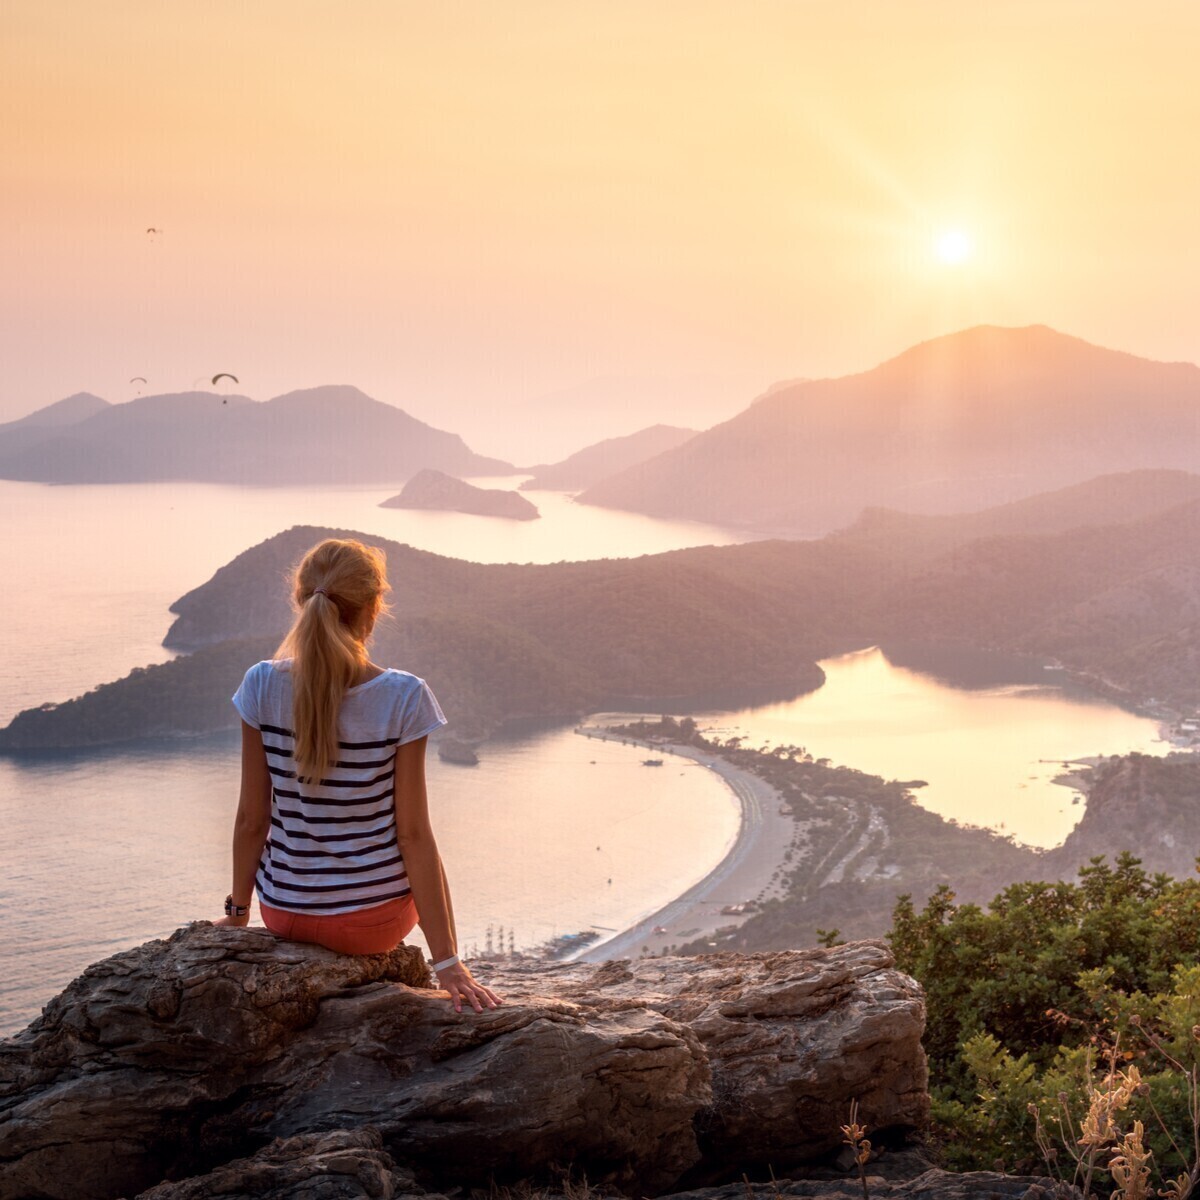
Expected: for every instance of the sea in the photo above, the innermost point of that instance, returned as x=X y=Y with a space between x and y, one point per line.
x=551 y=834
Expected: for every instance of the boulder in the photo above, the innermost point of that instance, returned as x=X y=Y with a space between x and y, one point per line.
x=346 y=1164
x=174 y=1057
x=170 y=1061
x=791 y=1038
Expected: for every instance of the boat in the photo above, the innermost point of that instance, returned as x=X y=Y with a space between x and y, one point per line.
x=652 y=762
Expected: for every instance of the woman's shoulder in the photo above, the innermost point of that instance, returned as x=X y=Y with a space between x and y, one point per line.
x=270 y=665
x=269 y=669
x=400 y=681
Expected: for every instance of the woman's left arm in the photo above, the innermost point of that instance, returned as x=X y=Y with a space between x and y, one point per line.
x=253 y=821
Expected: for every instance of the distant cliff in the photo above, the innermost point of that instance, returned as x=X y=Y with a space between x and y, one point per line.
x=321 y=435
x=436 y=490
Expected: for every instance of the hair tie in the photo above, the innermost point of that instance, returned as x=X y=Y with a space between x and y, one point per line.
x=320 y=592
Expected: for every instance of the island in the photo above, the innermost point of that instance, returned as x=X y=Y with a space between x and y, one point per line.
x=436 y=490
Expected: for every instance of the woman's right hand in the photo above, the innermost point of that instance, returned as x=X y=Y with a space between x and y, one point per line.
x=458 y=981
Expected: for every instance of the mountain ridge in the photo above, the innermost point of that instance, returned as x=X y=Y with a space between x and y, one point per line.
x=329 y=434
x=968 y=420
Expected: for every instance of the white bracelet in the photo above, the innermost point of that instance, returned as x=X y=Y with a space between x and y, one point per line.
x=446 y=962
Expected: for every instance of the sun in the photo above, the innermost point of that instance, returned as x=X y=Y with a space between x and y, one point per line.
x=953 y=246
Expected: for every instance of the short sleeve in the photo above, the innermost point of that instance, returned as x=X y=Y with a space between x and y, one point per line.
x=248 y=698
x=422 y=713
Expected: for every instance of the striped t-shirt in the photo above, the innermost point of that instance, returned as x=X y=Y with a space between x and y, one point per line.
x=332 y=847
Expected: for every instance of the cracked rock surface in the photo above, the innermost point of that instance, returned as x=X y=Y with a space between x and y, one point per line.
x=226 y=1051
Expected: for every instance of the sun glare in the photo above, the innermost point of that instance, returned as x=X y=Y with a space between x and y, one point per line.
x=953 y=246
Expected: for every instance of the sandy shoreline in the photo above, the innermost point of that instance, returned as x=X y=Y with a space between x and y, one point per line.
x=747 y=872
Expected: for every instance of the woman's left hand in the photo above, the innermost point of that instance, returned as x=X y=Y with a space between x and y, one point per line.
x=458 y=981
x=234 y=922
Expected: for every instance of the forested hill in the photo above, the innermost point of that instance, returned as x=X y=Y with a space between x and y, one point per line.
x=1119 y=603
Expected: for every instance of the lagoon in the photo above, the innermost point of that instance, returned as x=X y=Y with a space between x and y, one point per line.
x=987 y=739
x=112 y=848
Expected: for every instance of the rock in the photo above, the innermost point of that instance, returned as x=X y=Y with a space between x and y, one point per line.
x=342 y=1165
x=172 y=1058
x=791 y=1039
x=931 y=1185
x=167 y=1061
x=436 y=490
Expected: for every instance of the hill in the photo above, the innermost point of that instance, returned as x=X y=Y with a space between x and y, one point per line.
x=593 y=463
x=1107 y=500
x=977 y=418
x=324 y=435
x=502 y=642
x=430 y=489
x=1118 y=605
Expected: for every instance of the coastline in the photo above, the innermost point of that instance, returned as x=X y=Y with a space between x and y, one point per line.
x=748 y=871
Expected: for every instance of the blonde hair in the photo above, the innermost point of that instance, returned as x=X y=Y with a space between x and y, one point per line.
x=337 y=591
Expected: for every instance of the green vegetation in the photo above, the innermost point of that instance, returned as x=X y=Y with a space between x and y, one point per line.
x=1058 y=999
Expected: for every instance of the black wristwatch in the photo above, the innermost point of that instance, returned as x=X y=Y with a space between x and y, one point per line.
x=235 y=910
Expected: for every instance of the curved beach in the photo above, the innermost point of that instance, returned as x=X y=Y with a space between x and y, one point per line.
x=745 y=873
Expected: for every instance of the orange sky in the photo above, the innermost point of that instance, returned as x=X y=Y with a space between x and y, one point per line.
x=468 y=208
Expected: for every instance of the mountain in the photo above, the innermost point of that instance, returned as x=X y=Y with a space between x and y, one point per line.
x=323 y=435
x=593 y=463
x=36 y=427
x=977 y=418
x=62 y=412
x=430 y=489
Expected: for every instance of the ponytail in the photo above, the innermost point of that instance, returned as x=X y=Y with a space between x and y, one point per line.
x=337 y=590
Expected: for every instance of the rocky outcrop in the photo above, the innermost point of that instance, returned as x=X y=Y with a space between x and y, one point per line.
x=437 y=490
x=186 y=1057
x=791 y=1038
x=343 y=1165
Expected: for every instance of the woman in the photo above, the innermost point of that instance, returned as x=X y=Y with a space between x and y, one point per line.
x=333 y=770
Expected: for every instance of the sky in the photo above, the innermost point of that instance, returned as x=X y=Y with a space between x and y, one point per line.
x=538 y=224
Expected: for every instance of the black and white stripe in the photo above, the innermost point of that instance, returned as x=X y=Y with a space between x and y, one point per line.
x=333 y=843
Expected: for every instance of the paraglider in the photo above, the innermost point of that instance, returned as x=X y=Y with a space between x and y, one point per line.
x=224 y=375
x=138 y=379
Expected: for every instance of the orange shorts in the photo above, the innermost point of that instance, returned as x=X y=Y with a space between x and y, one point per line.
x=374 y=930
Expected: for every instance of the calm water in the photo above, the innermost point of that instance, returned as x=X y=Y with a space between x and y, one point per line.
x=118 y=847
x=548 y=835
x=979 y=748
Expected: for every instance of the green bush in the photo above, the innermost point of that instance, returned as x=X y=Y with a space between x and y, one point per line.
x=1038 y=1005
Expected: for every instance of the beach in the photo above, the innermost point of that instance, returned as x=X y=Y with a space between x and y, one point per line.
x=750 y=871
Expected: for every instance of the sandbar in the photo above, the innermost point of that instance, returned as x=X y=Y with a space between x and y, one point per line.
x=751 y=870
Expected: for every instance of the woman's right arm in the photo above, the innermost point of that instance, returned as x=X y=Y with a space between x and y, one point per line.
x=427 y=878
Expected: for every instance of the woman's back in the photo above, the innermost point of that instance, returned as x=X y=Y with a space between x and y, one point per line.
x=332 y=846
